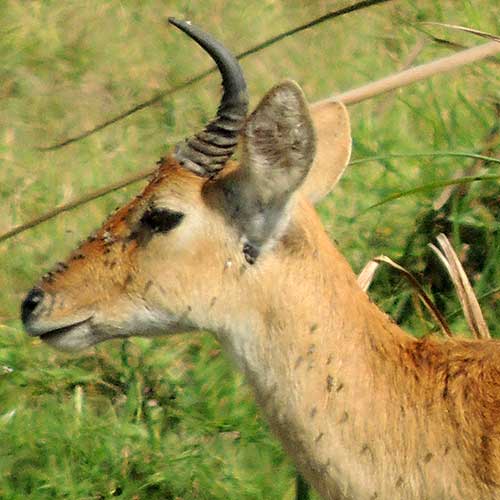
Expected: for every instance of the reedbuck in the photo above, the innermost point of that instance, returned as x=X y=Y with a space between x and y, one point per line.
x=366 y=410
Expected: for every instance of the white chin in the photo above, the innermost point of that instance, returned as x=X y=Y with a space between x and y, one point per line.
x=74 y=339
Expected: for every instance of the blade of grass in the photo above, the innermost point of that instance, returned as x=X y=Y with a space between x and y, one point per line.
x=428 y=187
x=301 y=488
x=435 y=154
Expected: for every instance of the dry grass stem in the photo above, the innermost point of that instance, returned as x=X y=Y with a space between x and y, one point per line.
x=473 y=31
x=413 y=75
x=365 y=278
x=98 y=193
x=468 y=300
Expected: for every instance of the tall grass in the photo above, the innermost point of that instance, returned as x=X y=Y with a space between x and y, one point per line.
x=170 y=418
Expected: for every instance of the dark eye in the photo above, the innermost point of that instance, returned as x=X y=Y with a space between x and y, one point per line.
x=160 y=220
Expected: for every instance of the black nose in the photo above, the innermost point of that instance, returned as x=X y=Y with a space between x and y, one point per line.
x=30 y=303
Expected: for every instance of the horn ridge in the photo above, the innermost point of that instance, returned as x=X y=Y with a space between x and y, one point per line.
x=207 y=151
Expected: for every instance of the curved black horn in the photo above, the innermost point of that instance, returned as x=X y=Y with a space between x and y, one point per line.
x=206 y=152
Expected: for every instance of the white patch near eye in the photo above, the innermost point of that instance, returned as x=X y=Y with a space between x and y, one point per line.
x=189 y=230
x=183 y=235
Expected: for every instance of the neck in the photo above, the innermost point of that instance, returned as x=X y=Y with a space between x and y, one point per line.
x=307 y=346
x=334 y=374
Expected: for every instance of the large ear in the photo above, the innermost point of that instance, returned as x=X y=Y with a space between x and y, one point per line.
x=278 y=146
x=333 y=149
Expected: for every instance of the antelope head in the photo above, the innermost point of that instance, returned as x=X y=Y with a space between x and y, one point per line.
x=196 y=248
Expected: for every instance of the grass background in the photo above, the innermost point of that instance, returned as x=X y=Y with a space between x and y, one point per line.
x=170 y=418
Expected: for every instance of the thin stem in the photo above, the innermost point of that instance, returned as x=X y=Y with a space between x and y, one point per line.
x=415 y=74
x=76 y=203
x=428 y=187
x=432 y=154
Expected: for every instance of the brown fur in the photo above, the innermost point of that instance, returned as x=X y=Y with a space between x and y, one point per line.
x=365 y=410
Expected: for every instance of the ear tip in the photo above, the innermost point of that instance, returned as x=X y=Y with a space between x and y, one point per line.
x=286 y=100
x=289 y=95
x=292 y=87
x=292 y=84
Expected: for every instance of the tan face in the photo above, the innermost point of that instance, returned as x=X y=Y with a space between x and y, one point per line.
x=153 y=266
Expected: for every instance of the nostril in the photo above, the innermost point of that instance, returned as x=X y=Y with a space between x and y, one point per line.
x=30 y=303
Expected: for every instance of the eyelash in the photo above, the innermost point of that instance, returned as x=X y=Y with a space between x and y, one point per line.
x=161 y=220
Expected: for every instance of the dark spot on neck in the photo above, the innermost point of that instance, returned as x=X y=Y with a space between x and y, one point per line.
x=344 y=418
x=366 y=450
x=149 y=284
x=298 y=362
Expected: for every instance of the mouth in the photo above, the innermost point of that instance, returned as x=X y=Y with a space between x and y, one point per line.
x=72 y=337
x=58 y=332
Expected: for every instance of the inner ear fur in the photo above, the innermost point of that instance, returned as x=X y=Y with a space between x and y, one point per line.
x=333 y=149
x=279 y=142
x=278 y=147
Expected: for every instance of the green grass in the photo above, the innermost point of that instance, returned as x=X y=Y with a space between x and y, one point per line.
x=170 y=418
